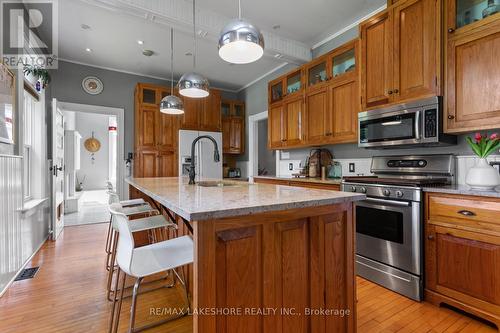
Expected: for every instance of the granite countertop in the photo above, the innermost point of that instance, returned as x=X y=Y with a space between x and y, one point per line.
x=305 y=180
x=463 y=190
x=196 y=203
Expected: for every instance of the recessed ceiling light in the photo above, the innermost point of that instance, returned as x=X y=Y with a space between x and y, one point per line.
x=85 y=26
x=89 y=50
x=148 y=53
x=140 y=42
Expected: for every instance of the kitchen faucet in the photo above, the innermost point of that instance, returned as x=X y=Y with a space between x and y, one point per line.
x=192 y=172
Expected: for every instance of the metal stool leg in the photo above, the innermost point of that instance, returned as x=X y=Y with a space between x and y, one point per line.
x=112 y=266
x=115 y=311
x=131 y=327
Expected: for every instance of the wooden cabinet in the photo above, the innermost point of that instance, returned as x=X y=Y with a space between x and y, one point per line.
x=155 y=134
x=462 y=246
x=473 y=76
x=233 y=127
x=275 y=126
x=326 y=111
x=401 y=53
x=202 y=114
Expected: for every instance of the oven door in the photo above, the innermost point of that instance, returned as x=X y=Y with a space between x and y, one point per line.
x=389 y=232
x=401 y=127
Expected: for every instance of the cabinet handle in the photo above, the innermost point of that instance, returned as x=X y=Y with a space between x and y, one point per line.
x=451 y=30
x=396 y=91
x=390 y=92
x=430 y=237
x=450 y=116
x=466 y=213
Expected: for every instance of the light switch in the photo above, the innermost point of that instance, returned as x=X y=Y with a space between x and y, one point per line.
x=352 y=167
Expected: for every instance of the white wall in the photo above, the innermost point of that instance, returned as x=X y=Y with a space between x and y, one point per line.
x=95 y=173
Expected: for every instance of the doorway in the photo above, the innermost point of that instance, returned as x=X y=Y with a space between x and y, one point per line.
x=93 y=154
x=262 y=160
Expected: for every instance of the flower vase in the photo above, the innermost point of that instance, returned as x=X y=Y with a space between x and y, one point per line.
x=482 y=176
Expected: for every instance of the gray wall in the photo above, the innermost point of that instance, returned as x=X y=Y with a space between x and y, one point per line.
x=118 y=91
x=336 y=42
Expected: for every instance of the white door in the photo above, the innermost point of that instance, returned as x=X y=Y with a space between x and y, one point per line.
x=57 y=170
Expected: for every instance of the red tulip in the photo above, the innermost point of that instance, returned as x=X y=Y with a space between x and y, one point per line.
x=478 y=137
x=494 y=136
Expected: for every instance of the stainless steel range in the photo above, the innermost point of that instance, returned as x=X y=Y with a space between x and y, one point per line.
x=389 y=223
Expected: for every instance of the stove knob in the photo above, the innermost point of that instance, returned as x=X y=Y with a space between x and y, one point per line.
x=353 y=188
x=363 y=190
x=399 y=194
x=387 y=193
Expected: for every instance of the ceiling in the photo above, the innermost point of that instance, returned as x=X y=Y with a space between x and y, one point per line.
x=117 y=25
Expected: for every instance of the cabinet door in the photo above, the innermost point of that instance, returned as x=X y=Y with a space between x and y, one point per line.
x=145 y=164
x=275 y=126
x=166 y=164
x=226 y=134
x=473 y=81
x=317 y=116
x=146 y=129
x=376 y=60
x=236 y=135
x=294 y=111
x=463 y=264
x=343 y=98
x=168 y=127
x=210 y=118
x=416 y=45
x=193 y=108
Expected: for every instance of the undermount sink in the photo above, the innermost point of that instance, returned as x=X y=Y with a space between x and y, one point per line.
x=217 y=183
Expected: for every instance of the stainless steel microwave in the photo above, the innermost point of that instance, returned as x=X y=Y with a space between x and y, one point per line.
x=404 y=125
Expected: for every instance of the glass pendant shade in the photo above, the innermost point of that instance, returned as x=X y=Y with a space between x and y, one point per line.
x=193 y=85
x=171 y=105
x=241 y=42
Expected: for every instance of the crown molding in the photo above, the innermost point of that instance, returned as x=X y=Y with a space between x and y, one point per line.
x=134 y=73
x=262 y=76
x=178 y=14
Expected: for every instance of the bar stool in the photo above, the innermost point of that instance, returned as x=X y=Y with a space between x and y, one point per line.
x=133 y=207
x=145 y=261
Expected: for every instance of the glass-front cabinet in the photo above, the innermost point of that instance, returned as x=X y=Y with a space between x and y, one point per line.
x=276 y=91
x=343 y=62
x=293 y=82
x=465 y=12
x=316 y=72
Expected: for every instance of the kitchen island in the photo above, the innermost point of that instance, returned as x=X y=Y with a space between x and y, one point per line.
x=268 y=258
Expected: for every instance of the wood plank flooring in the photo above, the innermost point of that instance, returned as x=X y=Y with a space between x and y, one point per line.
x=67 y=295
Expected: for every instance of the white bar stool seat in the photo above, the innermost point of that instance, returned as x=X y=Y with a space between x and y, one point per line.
x=132 y=202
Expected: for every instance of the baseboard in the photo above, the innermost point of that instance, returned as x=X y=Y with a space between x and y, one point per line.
x=23 y=266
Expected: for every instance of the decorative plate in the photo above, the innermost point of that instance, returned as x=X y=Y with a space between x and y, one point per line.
x=92 y=85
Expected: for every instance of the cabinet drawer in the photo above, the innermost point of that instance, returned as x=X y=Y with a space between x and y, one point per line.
x=470 y=212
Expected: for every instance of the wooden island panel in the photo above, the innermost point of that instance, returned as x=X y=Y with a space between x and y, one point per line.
x=288 y=261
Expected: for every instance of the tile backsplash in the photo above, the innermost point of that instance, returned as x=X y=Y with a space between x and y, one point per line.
x=464 y=163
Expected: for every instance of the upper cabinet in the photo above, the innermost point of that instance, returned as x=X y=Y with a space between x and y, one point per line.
x=320 y=106
x=400 y=53
x=203 y=114
x=233 y=126
x=472 y=71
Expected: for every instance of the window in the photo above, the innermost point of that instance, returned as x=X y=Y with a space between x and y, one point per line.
x=29 y=109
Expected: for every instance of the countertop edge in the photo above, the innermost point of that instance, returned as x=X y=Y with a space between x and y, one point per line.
x=226 y=213
x=463 y=190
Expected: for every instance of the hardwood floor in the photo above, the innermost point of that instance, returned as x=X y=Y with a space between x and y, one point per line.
x=67 y=295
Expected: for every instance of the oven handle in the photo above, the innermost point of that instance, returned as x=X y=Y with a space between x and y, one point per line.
x=390 y=202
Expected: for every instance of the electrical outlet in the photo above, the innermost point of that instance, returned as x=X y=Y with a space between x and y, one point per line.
x=352 y=167
x=290 y=166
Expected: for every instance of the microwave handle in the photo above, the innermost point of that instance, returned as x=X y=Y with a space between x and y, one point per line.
x=417 y=125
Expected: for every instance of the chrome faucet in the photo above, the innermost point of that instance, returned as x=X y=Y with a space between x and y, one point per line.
x=192 y=168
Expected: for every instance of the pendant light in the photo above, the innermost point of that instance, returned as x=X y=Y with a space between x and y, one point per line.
x=193 y=84
x=240 y=42
x=171 y=104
